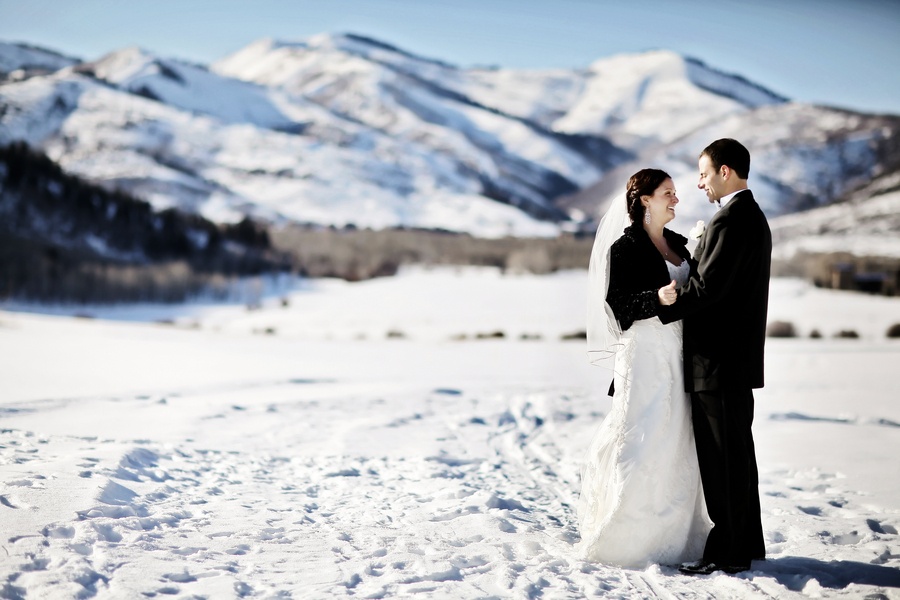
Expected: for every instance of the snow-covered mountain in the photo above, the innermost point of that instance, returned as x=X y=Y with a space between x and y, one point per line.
x=802 y=157
x=171 y=157
x=188 y=87
x=425 y=103
x=19 y=61
x=342 y=129
x=865 y=223
x=634 y=97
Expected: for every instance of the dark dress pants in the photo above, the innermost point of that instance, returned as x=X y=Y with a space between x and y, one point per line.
x=725 y=451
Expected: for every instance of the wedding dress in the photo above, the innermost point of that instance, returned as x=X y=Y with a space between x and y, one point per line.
x=641 y=500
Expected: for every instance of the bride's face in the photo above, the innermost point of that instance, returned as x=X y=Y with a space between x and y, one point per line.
x=662 y=203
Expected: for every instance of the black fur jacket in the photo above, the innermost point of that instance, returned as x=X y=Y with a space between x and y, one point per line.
x=636 y=272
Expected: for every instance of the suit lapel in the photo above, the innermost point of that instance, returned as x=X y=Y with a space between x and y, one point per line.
x=701 y=245
x=720 y=214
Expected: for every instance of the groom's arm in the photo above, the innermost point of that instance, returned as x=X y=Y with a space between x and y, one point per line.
x=718 y=269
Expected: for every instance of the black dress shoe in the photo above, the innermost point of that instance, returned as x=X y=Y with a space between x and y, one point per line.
x=699 y=568
x=707 y=568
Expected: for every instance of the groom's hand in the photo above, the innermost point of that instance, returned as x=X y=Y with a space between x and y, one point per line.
x=668 y=295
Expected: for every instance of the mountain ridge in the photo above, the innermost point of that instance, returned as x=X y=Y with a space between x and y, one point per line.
x=345 y=129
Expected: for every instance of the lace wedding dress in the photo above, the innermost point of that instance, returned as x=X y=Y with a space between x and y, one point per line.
x=641 y=499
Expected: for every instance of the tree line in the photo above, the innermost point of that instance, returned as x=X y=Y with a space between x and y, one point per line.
x=64 y=239
x=356 y=254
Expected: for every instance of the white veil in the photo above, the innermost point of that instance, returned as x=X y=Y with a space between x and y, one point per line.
x=603 y=330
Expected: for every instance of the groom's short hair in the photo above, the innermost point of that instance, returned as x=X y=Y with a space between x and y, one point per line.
x=730 y=153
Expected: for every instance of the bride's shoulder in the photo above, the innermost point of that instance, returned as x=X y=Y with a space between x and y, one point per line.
x=626 y=239
x=626 y=244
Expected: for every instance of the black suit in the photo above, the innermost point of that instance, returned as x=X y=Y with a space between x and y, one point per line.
x=724 y=310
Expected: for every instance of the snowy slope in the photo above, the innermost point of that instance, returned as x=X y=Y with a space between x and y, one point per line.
x=407 y=97
x=651 y=96
x=188 y=87
x=866 y=224
x=535 y=96
x=657 y=97
x=816 y=154
x=802 y=156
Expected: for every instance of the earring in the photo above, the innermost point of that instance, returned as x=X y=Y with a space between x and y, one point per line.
x=646 y=216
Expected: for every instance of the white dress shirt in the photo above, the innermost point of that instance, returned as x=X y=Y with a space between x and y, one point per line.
x=726 y=199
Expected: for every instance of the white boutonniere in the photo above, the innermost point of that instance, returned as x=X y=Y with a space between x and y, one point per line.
x=697 y=230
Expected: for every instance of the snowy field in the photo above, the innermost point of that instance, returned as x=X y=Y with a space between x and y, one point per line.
x=364 y=440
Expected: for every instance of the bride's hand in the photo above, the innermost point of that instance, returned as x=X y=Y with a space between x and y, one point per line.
x=668 y=295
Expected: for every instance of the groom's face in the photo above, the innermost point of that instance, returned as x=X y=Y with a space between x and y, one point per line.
x=711 y=180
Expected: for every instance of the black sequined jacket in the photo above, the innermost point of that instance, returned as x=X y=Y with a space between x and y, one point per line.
x=636 y=272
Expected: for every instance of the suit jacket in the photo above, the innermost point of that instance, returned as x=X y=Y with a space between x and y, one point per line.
x=724 y=305
x=636 y=272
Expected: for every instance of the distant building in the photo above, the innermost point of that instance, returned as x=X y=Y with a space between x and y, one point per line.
x=874 y=277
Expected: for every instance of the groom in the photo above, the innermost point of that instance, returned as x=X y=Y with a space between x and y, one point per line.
x=724 y=310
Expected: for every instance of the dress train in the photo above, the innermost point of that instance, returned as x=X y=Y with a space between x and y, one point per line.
x=641 y=500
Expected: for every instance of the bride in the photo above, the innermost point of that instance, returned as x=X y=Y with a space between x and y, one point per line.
x=641 y=499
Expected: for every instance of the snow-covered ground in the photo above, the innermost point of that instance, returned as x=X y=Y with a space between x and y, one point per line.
x=300 y=451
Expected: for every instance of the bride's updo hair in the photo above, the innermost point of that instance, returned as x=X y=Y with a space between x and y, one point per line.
x=642 y=183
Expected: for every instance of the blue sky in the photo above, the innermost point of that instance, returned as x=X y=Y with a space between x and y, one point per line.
x=839 y=53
